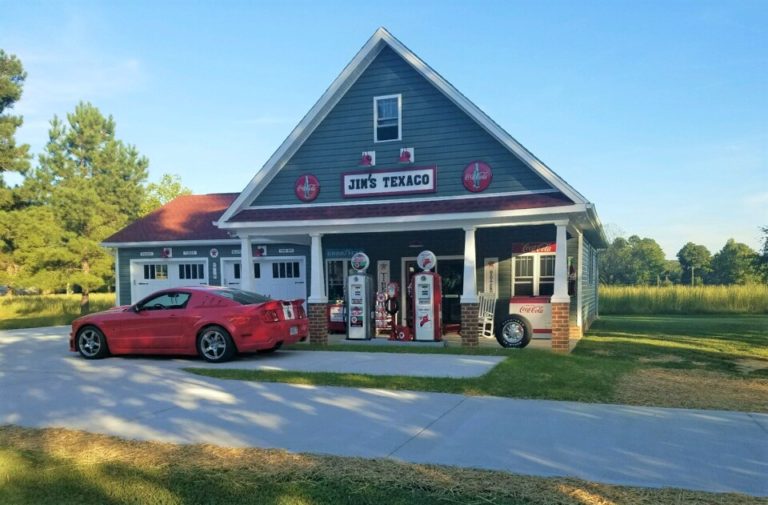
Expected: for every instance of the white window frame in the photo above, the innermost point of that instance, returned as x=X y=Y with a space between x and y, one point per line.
x=399 y=117
x=536 y=271
x=344 y=272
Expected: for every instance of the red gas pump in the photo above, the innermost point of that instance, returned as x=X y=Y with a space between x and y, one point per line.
x=392 y=306
x=427 y=300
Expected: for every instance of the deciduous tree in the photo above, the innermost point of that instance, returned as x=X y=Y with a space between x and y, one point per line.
x=734 y=264
x=158 y=194
x=695 y=261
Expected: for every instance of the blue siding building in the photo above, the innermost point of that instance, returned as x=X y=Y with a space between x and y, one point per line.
x=392 y=160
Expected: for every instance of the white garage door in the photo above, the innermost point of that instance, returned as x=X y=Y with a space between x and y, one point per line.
x=283 y=278
x=150 y=276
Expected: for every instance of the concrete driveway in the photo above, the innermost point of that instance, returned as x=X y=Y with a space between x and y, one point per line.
x=42 y=384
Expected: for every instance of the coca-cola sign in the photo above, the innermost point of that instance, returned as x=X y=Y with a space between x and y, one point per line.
x=534 y=247
x=477 y=176
x=307 y=187
x=531 y=309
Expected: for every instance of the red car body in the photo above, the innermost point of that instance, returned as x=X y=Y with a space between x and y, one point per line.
x=173 y=321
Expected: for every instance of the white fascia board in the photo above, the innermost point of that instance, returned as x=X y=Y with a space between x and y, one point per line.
x=175 y=243
x=421 y=222
x=307 y=125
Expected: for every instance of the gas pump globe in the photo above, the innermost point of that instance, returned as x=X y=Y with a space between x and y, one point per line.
x=427 y=299
x=359 y=299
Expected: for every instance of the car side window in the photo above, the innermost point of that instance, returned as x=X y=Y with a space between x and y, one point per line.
x=166 y=301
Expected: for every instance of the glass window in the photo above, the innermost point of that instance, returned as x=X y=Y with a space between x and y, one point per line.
x=165 y=301
x=335 y=270
x=547 y=275
x=242 y=297
x=191 y=271
x=285 y=270
x=237 y=270
x=386 y=110
x=156 y=272
x=523 y=285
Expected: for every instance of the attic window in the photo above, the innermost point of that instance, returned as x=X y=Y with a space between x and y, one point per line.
x=387 y=118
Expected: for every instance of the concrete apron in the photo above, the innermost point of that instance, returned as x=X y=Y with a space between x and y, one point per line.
x=152 y=399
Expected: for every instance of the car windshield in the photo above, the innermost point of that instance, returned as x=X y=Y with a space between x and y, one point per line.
x=242 y=297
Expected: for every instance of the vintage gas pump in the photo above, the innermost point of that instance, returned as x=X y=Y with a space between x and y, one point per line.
x=427 y=299
x=399 y=331
x=359 y=300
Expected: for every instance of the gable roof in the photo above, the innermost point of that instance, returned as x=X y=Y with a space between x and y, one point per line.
x=380 y=39
x=185 y=218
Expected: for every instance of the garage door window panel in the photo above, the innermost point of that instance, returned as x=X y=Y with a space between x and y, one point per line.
x=191 y=271
x=155 y=272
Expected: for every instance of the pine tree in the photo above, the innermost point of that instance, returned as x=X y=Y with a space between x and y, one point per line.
x=92 y=184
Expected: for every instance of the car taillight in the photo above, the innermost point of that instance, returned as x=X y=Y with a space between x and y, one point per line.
x=270 y=316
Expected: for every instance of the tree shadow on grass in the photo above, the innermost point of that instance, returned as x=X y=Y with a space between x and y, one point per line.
x=707 y=343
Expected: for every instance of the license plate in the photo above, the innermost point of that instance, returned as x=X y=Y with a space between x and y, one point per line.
x=294 y=330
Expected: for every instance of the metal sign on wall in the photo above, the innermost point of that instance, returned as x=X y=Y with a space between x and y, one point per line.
x=389 y=182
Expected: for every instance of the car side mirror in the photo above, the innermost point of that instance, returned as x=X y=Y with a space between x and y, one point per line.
x=136 y=308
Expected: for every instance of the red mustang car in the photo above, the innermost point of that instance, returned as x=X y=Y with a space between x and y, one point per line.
x=214 y=322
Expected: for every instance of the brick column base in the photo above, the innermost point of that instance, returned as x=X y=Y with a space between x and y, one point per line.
x=561 y=328
x=470 y=325
x=318 y=323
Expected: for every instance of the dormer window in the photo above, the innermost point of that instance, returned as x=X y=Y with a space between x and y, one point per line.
x=387 y=118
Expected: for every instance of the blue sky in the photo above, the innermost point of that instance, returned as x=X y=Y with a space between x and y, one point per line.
x=656 y=111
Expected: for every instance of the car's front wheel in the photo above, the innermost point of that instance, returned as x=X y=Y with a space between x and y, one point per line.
x=91 y=343
x=214 y=344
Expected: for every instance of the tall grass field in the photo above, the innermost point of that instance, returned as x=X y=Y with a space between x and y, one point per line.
x=750 y=299
x=47 y=310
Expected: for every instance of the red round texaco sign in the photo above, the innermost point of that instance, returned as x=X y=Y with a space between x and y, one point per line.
x=307 y=188
x=477 y=176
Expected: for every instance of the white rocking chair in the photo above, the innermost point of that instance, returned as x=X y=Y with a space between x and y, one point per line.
x=486 y=314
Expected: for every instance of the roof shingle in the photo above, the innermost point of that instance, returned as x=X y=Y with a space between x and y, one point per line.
x=188 y=217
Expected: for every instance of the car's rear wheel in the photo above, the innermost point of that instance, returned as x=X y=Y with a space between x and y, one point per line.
x=91 y=343
x=214 y=344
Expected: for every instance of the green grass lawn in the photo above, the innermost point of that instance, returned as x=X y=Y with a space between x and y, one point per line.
x=72 y=467
x=35 y=311
x=673 y=361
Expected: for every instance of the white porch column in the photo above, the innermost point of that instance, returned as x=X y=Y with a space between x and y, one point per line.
x=469 y=291
x=317 y=282
x=247 y=281
x=579 y=281
x=561 y=267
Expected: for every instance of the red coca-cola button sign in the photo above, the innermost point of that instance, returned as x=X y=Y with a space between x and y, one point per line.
x=477 y=176
x=307 y=188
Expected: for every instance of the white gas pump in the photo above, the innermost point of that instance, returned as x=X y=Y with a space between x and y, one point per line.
x=427 y=299
x=359 y=299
